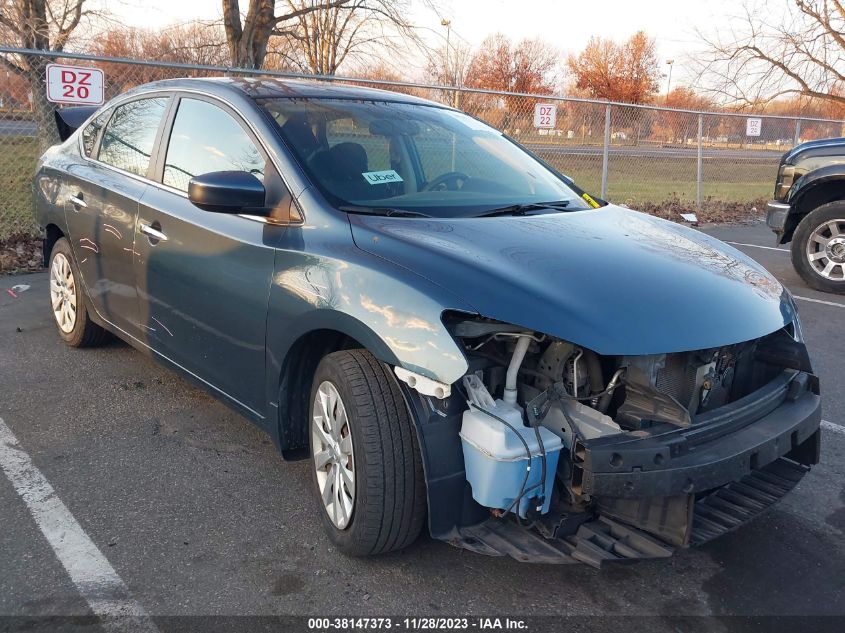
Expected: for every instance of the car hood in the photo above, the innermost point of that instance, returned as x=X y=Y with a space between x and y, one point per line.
x=823 y=146
x=612 y=280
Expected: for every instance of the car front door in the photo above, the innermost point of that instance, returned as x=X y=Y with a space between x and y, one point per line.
x=204 y=278
x=104 y=189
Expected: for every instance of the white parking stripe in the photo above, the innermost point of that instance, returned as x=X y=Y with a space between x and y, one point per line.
x=832 y=426
x=90 y=571
x=826 y=303
x=767 y=248
x=781 y=250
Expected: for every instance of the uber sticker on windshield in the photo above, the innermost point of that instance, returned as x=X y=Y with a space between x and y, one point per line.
x=381 y=177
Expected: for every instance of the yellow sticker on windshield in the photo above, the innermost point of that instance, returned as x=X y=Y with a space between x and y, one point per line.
x=590 y=200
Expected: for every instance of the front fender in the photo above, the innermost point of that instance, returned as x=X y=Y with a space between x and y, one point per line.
x=398 y=319
x=813 y=179
x=323 y=289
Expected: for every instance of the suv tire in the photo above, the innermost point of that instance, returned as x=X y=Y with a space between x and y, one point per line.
x=818 y=248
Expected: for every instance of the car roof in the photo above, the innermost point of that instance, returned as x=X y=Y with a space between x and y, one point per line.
x=270 y=87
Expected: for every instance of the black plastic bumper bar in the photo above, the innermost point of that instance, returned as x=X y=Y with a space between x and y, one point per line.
x=768 y=424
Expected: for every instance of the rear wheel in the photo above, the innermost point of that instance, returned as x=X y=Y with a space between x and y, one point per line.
x=67 y=300
x=818 y=248
x=366 y=466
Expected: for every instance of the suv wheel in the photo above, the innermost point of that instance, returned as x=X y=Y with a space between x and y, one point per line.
x=818 y=248
x=366 y=466
x=67 y=300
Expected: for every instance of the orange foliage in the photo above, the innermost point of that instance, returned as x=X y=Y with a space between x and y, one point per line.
x=627 y=72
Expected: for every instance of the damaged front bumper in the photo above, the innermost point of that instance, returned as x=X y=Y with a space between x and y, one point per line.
x=677 y=488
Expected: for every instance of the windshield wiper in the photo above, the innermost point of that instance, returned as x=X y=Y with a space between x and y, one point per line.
x=521 y=209
x=385 y=211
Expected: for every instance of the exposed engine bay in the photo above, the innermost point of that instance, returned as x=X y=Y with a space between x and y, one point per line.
x=608 y=453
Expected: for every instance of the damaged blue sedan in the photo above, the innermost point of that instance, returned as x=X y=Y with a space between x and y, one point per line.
x=453 y=333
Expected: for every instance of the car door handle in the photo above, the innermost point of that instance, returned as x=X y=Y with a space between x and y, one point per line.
x=77 y=201
x=153 y=233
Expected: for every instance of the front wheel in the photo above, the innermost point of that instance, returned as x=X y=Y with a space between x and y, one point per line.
x=366 y=464
x=818 y=248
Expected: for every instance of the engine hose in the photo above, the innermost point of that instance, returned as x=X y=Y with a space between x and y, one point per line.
x=604 y=401
x=594 y=374
x=542 y=463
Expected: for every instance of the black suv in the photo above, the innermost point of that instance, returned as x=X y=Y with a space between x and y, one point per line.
x=809 y=211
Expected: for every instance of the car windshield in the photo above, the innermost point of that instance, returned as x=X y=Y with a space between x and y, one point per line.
x=409 y=159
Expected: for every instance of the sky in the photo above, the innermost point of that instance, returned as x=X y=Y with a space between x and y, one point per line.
x=565 y=24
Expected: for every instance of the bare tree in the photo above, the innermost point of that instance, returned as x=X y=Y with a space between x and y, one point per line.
x=248 y=35
x=193 y=43
x=44 y=25
x=448 y=67
x=801 y=51
x=363 y=31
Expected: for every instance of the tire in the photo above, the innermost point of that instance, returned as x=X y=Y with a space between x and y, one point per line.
x=67 y=300
x=389 y=502
x=822 y=223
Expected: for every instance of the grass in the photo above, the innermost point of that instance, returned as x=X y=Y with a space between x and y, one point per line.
x=18 y=156
x=633 y=180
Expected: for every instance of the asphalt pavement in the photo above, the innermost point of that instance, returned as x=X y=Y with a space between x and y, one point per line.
x=191 y=507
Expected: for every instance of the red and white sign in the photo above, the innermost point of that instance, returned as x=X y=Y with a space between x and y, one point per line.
x=75 y=84
x=545 y=115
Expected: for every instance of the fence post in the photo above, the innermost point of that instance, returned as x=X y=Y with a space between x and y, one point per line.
x=797 y=131
x=605 y=152
x=700 y=167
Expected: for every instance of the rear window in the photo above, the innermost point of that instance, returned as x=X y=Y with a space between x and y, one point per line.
x=130 y=135
x=92 y=131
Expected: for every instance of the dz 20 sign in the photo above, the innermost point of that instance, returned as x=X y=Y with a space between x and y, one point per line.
x=74 y=84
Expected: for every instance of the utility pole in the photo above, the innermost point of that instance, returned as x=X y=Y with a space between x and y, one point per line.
x=448 y=25
x=669 y=63
x=449 y=79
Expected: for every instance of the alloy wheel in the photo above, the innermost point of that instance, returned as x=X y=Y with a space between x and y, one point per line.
x=826 y=250
x=63 y=293
x=331 y=445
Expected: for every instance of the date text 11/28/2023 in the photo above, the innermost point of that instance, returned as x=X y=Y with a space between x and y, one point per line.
x=418 y=624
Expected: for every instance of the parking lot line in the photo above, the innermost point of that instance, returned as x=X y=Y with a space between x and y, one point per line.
x=91 y=573
x=821 y=301
x=767 y=248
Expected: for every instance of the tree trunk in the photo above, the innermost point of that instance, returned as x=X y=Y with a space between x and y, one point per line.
x=248 y=39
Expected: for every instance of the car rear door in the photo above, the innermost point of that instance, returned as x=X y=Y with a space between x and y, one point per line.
x=104 y=189
x=204 y=278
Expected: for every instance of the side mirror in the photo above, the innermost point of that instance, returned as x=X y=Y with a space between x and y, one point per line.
x=228 y=192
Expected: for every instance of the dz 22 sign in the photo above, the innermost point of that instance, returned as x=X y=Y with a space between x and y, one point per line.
x=545 y=115
x=76 y=85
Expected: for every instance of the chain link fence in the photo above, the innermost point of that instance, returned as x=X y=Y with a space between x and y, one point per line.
x=643 y=156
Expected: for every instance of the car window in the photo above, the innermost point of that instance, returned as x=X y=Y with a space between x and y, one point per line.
x=130 y=135
x=205 y=138
x=348 y=130
x=413 y=157
x=92 y=130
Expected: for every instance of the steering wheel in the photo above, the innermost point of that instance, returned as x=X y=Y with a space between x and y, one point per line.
x=449 y=180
